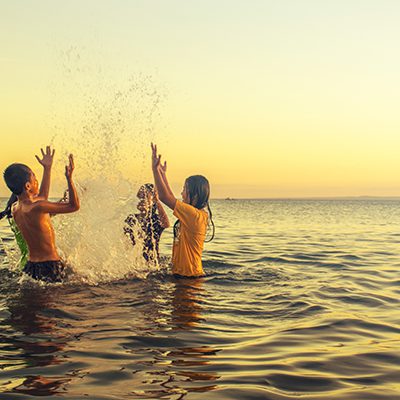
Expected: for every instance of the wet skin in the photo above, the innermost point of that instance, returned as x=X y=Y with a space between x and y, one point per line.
x=36 y=227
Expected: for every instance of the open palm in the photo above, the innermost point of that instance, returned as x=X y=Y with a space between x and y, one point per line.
x=47 y=157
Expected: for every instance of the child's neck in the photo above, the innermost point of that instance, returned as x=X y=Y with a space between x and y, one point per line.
x=25 y=197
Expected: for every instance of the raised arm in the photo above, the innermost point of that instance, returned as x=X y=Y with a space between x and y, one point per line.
x=165 y=193
x=46 y=162
x=163 y=171
x=66 y=207
x=164 y=220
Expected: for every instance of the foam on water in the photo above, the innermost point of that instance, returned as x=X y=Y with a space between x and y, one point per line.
x=92 y=240
x=10 y=249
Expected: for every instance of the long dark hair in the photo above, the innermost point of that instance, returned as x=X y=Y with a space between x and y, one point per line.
x=7 y=211
x=149 y=188
x=198 y=189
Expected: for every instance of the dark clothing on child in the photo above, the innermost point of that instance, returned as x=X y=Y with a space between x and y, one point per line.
x=46 y=271
x=151 y=233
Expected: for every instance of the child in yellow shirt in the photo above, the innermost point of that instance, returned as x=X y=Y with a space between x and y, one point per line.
x=191 y=228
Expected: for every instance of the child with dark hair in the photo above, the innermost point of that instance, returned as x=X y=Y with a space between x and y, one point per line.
x=23 y=247
x=31 y=213
x=194 y=217
x=152 y=220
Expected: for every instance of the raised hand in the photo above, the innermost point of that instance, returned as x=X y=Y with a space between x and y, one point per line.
x=70 y=167
x=163 y=168
x=47 y=158
x=160 y=179
x=155 y=158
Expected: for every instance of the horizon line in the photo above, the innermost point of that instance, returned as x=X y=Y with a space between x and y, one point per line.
x=362 y=197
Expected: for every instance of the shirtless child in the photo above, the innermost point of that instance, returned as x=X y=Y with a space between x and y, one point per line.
x=32 y=215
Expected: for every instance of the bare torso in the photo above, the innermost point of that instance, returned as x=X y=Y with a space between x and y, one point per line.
x=37 y=230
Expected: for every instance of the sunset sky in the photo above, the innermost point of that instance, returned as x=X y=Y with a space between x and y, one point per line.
x=288 y=98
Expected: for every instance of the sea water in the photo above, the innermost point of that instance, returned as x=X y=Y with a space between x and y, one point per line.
x=300 y=300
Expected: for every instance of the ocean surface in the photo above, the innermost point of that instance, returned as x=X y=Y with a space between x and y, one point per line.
x=301 y=301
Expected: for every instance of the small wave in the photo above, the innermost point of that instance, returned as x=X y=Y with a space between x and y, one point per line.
x=263 y=275
x=302 y=383
x=362 y=327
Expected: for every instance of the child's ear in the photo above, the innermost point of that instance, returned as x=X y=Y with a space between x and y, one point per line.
x=27 y=186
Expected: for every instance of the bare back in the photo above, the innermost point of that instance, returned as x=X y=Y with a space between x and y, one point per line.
x=37 y=230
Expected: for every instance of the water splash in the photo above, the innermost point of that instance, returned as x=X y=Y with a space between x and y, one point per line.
x=9 y=249
x=108 y=128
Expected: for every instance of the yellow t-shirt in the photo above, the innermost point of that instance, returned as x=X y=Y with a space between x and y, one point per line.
x=188 y=245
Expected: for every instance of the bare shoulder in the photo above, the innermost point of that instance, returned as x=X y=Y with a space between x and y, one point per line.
x=39 y=205
x=14 y=207
x=39 y=198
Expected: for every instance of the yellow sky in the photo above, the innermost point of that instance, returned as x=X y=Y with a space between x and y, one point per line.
x=265 y=98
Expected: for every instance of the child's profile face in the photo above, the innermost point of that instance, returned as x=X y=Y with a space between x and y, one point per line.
x=185 y=194
x=33 y=185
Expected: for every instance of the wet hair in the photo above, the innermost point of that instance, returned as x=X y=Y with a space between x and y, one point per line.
x=149 y=188
x=7 y=211
x=198 y=189
x=15 y=176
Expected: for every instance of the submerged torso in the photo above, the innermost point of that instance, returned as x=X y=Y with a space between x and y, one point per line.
x=189 y=241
